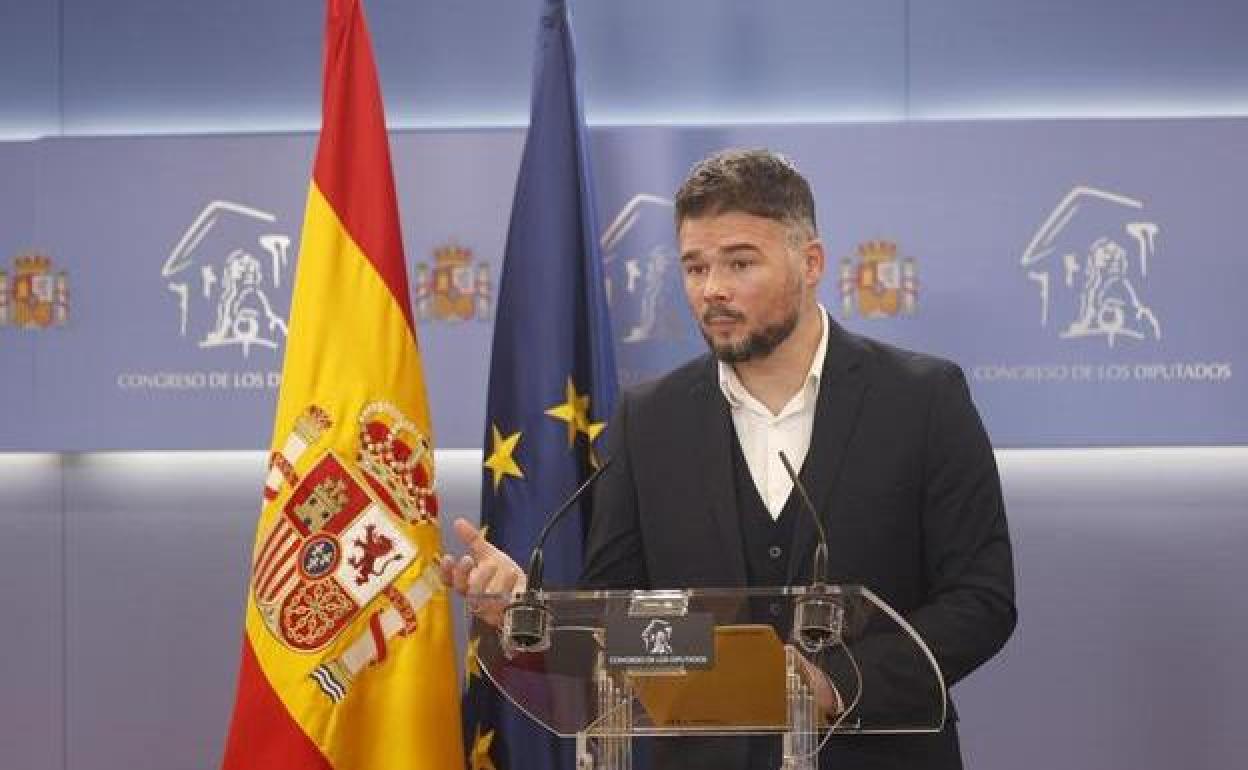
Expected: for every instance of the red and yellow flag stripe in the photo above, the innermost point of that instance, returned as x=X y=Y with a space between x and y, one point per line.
x=351 y=342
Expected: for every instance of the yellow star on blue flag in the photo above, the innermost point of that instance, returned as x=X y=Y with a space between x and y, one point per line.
x=501 y=460
x=574 y=410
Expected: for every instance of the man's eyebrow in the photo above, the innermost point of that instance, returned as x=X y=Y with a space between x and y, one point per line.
x=732 y=248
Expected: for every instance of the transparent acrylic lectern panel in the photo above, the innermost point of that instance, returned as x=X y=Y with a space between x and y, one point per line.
x=721 y=661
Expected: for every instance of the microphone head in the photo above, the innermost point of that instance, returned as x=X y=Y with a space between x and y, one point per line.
x=818 y=620
x=526 y=626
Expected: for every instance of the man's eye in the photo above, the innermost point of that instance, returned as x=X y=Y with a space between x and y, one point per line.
x=740 y=264
x=691 y=269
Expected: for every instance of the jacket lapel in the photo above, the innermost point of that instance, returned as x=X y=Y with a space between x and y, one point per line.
x=841 y=389
x=714 y=423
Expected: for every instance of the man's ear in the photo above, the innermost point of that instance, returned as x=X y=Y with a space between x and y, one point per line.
x=813 y=261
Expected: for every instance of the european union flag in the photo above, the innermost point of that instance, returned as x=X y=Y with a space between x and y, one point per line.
x=552 y=376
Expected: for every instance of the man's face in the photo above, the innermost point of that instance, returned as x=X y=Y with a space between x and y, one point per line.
x=745 y=280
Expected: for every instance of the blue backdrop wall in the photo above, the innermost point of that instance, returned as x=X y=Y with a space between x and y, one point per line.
x=85 y=67
x=122 y=575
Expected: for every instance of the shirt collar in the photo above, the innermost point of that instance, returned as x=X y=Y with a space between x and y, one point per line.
x=738 y=396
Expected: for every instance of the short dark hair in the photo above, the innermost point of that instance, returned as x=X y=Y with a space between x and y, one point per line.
x=754 y=181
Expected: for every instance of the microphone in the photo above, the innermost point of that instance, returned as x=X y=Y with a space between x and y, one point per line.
x=526 y=621
x=817 y=616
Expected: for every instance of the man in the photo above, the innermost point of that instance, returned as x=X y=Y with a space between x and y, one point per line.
x=888 y=443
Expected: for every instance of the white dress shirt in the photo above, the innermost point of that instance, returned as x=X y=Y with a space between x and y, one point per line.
x=763 y=435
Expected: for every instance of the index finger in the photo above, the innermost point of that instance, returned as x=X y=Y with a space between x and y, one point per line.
x=472 y=539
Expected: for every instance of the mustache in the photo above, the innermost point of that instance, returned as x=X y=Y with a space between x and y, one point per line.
x=716 y=313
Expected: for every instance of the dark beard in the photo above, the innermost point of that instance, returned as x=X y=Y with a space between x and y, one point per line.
x=757 y=344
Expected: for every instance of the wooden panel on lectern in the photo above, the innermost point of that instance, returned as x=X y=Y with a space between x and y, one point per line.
x=745 y=688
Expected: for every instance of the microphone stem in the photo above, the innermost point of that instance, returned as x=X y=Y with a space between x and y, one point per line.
x=534 y=575
x=820 y=568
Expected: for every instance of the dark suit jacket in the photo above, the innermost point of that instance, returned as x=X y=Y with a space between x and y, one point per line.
x=899 y=468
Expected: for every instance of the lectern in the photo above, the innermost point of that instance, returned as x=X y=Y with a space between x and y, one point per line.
x=806 y=663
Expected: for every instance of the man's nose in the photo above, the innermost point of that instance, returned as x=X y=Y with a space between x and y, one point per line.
x=717 y=286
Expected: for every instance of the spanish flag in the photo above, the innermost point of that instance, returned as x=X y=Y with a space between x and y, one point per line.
x=347 y=662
